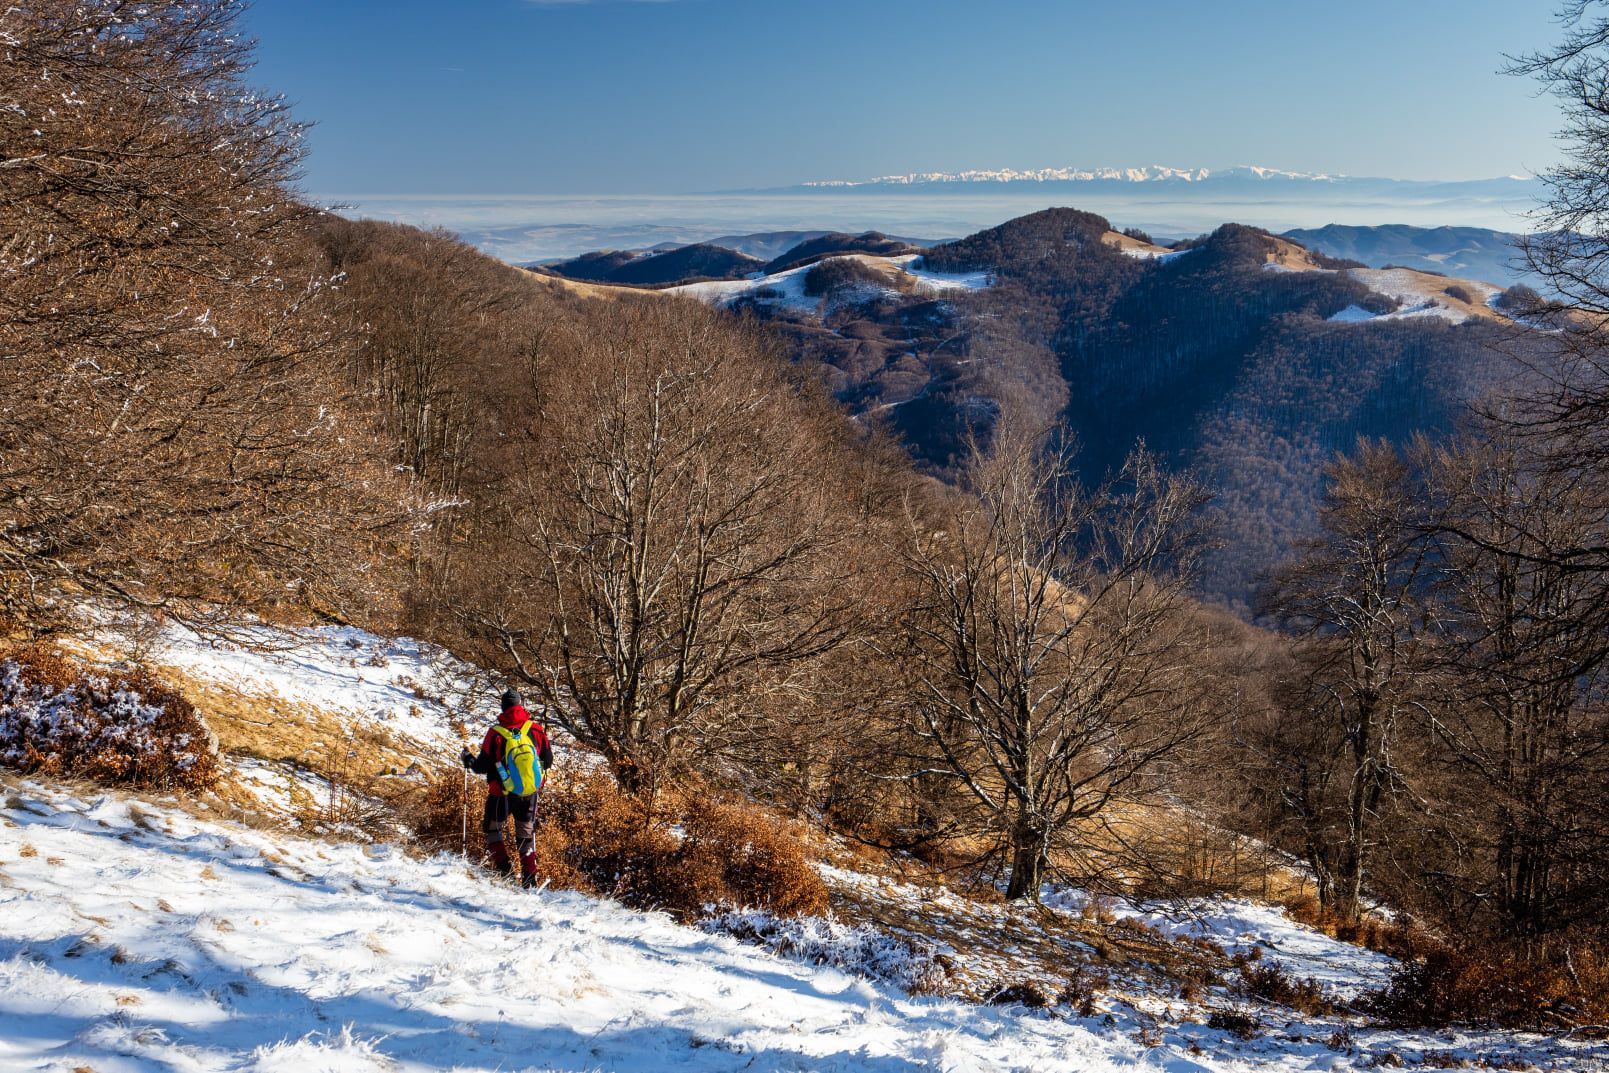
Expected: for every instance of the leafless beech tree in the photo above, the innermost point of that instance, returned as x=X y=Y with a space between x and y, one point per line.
x=689 y=541
x=1050 y=656
x=1524 y=727
x=172 y=420
x=1356 y=592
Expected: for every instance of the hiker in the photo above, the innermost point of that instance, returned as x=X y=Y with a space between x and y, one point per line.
x=514 y=756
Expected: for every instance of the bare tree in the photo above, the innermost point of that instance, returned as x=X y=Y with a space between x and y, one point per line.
x=1524 y=725
x=1050 y=654
x=1356 y=593
x=690 y=542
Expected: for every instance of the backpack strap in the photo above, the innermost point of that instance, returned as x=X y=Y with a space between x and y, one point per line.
x=510 y=736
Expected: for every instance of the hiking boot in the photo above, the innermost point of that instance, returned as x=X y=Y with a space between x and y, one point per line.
x=527 y=881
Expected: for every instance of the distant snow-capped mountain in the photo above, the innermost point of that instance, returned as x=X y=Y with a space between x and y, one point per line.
x=1155 y=173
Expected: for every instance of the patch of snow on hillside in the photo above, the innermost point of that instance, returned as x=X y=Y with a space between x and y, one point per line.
x=782 y=288
x=413 y=687
x=139 y=939
x=1145 y=253
x=930 y=282
x=787 y=288
x=1353 y=314
x=1420 y=295
x=1343 y=970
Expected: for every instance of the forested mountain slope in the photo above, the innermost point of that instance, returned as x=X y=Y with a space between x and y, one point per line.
x=1240 y=354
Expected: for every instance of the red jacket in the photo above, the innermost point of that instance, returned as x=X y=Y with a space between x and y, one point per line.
x=492 y=746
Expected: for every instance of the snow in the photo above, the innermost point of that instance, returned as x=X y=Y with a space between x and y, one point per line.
x=1342 y=970
x=1352 y=314
x=788 y=288
x=413 y=687
x=1419 y=294
x=1154 y=173
x=136 y=938
x=931 y=282
x=1146 y=253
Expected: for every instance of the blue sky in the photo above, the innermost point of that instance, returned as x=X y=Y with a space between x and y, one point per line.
x=628 y=96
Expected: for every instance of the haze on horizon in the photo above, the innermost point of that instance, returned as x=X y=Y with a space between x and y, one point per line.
x=608 y=97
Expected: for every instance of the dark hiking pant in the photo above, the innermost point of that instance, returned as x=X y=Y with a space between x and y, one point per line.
x=498 y=809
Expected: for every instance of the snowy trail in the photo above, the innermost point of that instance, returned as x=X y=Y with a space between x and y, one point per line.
x=135 y=938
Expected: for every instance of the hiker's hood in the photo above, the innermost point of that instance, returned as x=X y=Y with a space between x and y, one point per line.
x=513 y=718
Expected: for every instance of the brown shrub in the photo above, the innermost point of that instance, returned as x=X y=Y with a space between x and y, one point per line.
x=1398 y=939
x=1235 y=1022
x=1496 y=986
x=760 y=862
x=1022 y=993
x=1271 y=982
x=60 y=718
x=593 y=837
x=1080 y=991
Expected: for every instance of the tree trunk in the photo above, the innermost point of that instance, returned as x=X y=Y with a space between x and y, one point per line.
x=1027 y=863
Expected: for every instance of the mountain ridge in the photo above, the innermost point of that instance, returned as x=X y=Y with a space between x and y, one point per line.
x=1151 y=173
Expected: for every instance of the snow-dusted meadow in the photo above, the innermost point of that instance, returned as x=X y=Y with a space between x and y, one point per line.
x=139 y=935
x=135 y=938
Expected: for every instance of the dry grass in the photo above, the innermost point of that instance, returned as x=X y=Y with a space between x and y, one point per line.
x=269 y=728
x=581 y=288
x=1291 y=257
x=1429 y=287
x=1119 y=241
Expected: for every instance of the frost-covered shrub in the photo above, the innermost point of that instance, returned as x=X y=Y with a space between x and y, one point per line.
x=58 y=718
x=822 y=940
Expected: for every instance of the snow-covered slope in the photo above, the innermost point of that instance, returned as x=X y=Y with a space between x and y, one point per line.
x=135 y=938
x=788 y=288
x=285 y=701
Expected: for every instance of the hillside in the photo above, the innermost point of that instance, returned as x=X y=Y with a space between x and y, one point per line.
x=769 y=245
x=290 y=942
x=1242 y=354
x=836 y=242
x=594 y=267
x=231 y=948
x=1470 y=252
x=698 y=261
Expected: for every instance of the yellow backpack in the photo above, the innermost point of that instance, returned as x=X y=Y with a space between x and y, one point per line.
x=519 y=771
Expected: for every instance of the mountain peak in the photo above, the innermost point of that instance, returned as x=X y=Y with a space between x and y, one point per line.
x=1153 y=173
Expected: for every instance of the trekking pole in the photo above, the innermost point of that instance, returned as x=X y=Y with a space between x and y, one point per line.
x=463 y=810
